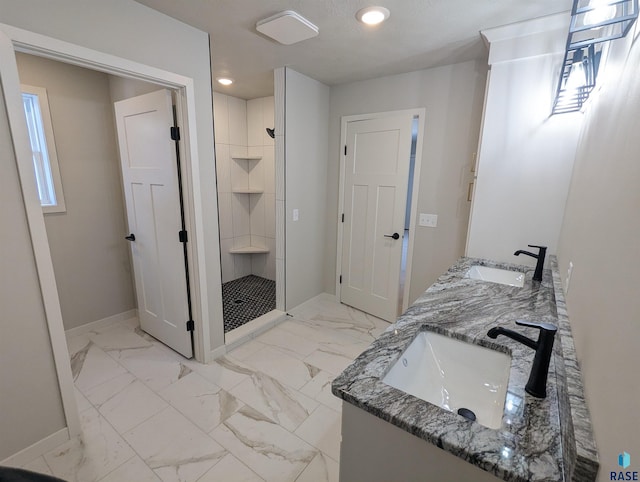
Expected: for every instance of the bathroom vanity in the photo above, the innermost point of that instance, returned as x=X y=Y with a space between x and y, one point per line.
x=390 y=434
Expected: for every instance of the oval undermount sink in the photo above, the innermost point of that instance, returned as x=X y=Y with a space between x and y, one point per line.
x=495 y=275
x=453 y=374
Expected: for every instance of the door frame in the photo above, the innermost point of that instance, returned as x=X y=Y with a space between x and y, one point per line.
x=420 y=113
x=13 y=39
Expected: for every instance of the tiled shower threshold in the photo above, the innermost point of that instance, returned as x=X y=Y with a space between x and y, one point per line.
x=253 y=328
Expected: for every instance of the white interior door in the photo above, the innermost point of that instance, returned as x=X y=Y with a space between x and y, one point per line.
x=150 y=176
x=375 y=194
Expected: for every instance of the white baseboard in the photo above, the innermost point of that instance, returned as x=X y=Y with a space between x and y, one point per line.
x=103 y=323
x=34 y=451
x=311 y=301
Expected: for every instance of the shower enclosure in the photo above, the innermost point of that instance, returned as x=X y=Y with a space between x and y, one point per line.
x=245 y=169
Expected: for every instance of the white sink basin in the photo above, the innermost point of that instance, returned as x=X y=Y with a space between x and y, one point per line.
x=453 y=374
x=495 y=275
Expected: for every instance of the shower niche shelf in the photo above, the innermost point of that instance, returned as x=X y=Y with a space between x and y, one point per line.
x=248 y=190
x=248 y=250
x=247 y=158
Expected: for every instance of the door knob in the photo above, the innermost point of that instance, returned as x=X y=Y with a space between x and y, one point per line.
x=131 y=237
x=394 y=236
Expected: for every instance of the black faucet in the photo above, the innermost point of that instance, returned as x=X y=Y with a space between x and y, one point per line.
x=537 y=384
x=537 y=276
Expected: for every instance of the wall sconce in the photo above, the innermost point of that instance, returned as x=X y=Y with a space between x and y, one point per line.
x=578 y=78
x=593 y=22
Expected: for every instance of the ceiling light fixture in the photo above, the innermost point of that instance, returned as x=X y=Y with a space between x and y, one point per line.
x=595 y=21
x=593 y=24
x=373 y=15
x=224 y=80
x=602 y=12
x=287 y=27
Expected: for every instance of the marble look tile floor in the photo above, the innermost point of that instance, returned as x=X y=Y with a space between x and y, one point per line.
x=263 y=412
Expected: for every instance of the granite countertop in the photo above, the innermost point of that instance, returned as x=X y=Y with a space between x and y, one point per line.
x=537 y=439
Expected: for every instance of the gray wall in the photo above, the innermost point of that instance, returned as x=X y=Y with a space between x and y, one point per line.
x=130 y=30
x=30 y=403
x=90 y=257
x=306 y=121
x=601 y=236
x=452 y=96
x=121 y=88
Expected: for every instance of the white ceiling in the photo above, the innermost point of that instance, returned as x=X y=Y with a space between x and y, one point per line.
x=419 y=34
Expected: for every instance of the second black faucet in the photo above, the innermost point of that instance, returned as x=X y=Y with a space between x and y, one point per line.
x=537 y=275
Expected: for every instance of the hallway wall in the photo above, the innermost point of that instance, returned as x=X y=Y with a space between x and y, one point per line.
x=453 y=97
x=91 y=259
x=304 y=175
x=30 y=403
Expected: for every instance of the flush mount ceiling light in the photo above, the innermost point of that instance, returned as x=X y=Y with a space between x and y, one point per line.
x=287 y=27
x=224 y=80
x=373 y=15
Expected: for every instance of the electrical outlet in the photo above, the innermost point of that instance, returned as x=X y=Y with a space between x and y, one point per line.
x=568 y=278
x=296 y=214
x=428 y=220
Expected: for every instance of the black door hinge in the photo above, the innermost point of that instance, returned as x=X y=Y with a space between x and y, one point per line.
x=175 y=133
x=343 y=217
x=191 y=325
x=340 y=279
x=182 y=235
x=345 y=150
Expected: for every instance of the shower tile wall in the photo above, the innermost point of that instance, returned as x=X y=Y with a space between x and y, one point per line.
x=245 y=220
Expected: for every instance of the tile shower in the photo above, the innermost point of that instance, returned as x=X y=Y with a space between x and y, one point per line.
x=245 y=168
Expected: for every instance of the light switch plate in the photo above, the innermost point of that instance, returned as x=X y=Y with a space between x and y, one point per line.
x=428 y=220
x=296 y=214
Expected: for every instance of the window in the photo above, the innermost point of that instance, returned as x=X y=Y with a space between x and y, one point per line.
x=45 y=160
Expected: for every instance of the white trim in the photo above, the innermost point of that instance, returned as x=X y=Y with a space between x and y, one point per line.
x=415 y=190
x=421 y=114
x=52 y=151
x=35 y=221
x=38 y=449
x=61 y=51
x=194 y=220
x=476 y=166
x=317 y=298
x=103 y=323
x=279 y=99
x=14 y=39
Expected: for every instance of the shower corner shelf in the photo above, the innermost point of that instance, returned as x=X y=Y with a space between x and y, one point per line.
x=246 y=158
x=248 y=191
x=248 y=250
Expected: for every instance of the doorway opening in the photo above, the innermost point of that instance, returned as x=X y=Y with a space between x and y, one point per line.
x=114 y=241
x=407 y=217
x=379 y=177
x=245 y=169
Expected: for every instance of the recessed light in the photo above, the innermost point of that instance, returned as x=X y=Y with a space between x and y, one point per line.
x=225 y=80
x=373 y=15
